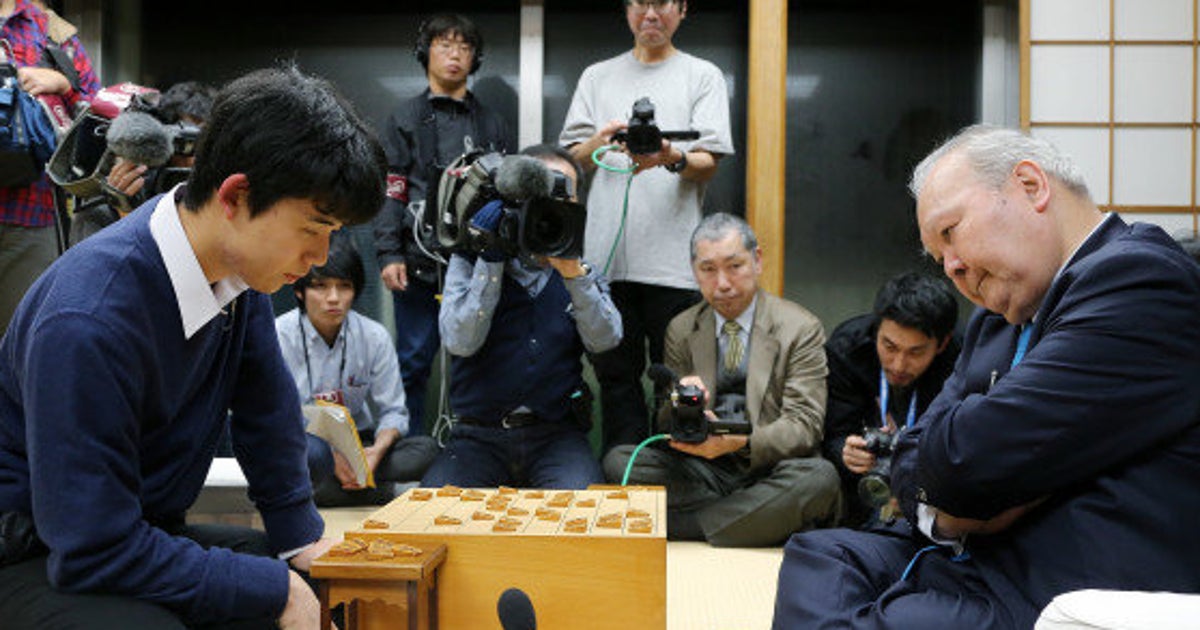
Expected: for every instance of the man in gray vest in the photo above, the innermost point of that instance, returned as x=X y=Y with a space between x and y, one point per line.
x=756 y=358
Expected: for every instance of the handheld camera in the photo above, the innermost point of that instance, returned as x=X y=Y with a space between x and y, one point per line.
x=643 y=135
x=875 y=486
x=687 y=421
x=538 y=216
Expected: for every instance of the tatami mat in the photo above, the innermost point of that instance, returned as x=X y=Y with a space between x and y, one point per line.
x=707 y=588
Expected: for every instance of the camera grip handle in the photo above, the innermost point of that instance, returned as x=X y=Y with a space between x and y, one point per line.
x=681 y=135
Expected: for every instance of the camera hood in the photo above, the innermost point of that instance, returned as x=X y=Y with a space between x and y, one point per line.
x=465 y=186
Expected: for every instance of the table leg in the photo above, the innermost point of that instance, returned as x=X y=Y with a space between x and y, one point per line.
x=413 y=618
x=326 y=619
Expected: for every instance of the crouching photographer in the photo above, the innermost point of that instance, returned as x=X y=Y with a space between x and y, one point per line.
x=516 y=318
x=744 y=422
x=132 y=144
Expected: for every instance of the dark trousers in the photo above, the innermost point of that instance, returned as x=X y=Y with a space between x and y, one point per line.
x=724 y=503
x=645 y=312
x=417 y=343
x=28 y=601
x=406 y=461
x=549 y=455
x=841 y=578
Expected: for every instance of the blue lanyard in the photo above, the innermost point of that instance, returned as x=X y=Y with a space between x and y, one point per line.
x=883 y=403
x=1022 y=344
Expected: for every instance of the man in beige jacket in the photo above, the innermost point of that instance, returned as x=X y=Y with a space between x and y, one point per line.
x=759 y=360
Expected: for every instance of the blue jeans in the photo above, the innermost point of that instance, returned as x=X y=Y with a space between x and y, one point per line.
x=540 y=456
x=417 y=343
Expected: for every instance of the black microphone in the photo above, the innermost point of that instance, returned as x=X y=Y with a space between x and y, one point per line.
x=663 y=377
x=516 y=611
x=141 y=138
x=520 y=178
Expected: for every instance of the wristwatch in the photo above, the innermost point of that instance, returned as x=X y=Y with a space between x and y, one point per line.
x=679 y=166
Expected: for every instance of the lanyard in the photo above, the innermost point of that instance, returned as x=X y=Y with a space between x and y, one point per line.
x=312 y=385
x=1022 y=345
x=883 y=403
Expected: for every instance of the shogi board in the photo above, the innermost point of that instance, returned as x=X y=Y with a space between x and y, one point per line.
x=599 y=577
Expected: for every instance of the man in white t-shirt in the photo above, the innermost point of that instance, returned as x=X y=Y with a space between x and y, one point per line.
x=642 y=240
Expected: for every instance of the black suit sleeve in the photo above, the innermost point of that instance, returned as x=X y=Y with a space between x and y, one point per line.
x=1109 y=378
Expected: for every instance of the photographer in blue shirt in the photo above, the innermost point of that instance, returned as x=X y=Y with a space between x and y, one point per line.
x=517 y=330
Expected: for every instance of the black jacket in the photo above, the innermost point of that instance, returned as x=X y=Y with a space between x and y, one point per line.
x=410 y=141
x=853 y=385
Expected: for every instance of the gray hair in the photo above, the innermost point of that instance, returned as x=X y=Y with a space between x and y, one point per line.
x=993 y=153
x=716 y=226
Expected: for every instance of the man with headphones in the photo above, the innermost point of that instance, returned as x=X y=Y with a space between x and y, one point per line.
x=337 y=355
x=423 y=136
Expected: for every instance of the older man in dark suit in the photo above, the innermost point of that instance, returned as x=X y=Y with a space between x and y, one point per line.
x=758 y=359
x=1064 y=451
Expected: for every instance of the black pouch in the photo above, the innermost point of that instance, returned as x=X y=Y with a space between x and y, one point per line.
x=18 y=538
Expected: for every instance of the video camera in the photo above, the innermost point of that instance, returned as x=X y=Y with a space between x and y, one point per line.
x=643 y=135
x=538 y=217
x=875 y=486
x=688 y=423
x=122 y=121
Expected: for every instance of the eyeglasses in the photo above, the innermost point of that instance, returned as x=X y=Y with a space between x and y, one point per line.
x=642 y=6
x=446 y=46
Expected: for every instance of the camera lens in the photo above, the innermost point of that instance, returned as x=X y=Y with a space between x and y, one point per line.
x=873 y=490
x=547 y=230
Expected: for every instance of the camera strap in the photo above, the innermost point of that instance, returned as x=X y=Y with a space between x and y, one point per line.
x=883 y=403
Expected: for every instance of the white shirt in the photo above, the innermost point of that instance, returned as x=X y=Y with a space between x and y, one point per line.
x=199 y=302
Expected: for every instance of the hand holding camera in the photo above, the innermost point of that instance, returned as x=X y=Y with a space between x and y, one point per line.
x=483 y=231
x=689 y=421
x=642 y=136
x=875 y=486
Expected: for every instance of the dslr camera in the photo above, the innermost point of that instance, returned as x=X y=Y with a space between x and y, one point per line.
x=687 y=421
x=538 y=215
x=643 y=135
x=875 y=486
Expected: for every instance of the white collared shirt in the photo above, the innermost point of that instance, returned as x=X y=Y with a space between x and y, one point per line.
x=199 y=301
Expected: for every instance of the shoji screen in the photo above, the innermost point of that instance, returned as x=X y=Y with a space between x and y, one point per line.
x=1114 y=84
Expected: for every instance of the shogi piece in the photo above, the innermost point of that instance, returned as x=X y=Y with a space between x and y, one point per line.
x=392 y=583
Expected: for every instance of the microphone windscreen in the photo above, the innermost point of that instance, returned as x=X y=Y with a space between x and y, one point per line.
x=662 y=376
x=520 y=178
x=141 y=138
x=515 y=610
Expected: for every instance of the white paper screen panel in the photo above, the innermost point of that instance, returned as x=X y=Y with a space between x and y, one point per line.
x=1152 y=167
x=1069 y=19
x=1153 y=19
x=1069 y=83
x=1089 y=149
x=1153 y=84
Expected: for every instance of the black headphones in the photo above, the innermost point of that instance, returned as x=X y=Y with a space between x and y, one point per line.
x=421 y=50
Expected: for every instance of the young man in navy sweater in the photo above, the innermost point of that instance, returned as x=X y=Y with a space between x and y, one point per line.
x=125 y=358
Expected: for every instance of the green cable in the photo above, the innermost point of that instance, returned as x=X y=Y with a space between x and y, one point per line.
x=604 y=149
x=629 y=466
x=624 y=206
